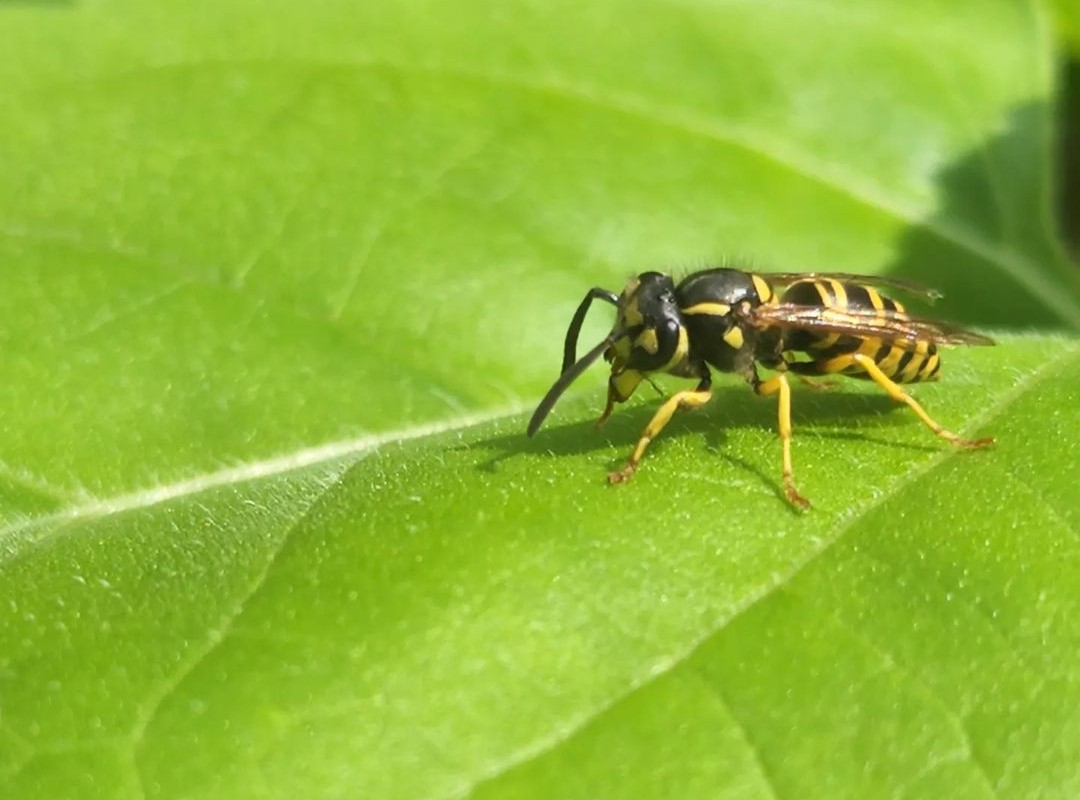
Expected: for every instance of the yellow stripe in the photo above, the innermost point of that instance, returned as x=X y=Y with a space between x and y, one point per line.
x=930 y=364
x=888 y=364
x=734 y=337
x=718 y=309
x=916 y=363
x=681 y=349
x=826 y=301
x=764 y=291
x=867 y=348
x=875 y=298
x=823 y=293
x=839 y=293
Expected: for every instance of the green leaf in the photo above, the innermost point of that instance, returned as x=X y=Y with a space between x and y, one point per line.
x=279 y=286
x=1066 y=15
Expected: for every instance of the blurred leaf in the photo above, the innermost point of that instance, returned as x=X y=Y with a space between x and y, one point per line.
x=1066 y=15
x=276 y=284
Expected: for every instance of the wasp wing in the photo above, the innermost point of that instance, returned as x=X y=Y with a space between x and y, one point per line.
x=862 y=323
x=911 y=287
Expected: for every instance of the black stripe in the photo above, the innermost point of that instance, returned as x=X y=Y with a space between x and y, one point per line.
x=882 y=352
x=843 y=346
x=905 y=359
x=857 y=296
x=888 y=303
x=803 y=293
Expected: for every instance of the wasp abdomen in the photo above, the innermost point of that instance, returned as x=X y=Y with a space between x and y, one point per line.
x=815 y=353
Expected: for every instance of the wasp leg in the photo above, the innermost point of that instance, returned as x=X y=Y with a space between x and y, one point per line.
x=686 y=399
x=607 y=409
x=772 y=386
x=896 y=393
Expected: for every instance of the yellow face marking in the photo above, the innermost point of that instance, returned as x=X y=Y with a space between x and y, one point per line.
x=734 y=337
x=624 y=383
x=764 y=291
x=622 y=349
x=716 y=309
x=647 y=341
x=631 y=314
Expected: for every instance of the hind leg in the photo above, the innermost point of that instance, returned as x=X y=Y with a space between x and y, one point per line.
x=896 y=392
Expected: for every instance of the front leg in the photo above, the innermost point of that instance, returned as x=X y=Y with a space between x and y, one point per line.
x=686 y=399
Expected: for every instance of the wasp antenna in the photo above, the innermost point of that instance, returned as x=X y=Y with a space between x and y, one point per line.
x=570 y=347
x=568 y=376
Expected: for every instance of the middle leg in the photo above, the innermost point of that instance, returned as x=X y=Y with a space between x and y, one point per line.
x=779 y=385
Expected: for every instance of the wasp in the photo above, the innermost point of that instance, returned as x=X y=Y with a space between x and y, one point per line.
x=806 y=324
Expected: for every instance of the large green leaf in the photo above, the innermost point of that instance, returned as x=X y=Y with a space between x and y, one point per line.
x=279 y=282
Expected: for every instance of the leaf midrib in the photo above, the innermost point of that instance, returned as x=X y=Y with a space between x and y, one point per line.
x=305 y=458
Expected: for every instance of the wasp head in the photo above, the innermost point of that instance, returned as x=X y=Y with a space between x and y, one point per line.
x=648 y=336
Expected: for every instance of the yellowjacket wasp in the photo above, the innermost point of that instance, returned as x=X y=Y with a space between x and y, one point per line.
x=731 y=320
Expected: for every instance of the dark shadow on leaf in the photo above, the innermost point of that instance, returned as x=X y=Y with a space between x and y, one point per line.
x=731 y=407
x=991 y=212
x=1069 y=148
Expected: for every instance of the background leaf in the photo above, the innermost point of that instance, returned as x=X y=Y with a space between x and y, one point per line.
x=1067 y=18
x=277 y=284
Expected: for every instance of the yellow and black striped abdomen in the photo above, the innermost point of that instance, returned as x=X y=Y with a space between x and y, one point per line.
x=816 y=353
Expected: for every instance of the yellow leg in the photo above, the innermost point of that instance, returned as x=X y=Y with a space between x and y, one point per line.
x=685 y=399
x=772 y=386
x=896 y=393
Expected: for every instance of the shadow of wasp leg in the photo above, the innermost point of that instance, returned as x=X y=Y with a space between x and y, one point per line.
x=780 y=385
x=896 y=393
x=817 y=386
x=688 y=400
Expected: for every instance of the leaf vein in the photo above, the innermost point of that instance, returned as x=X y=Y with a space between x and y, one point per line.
x=756 y=753
x=220 y=633
x=546 y=744
x=34 y=530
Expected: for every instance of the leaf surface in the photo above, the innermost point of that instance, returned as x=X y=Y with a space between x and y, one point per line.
x=279 y=286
